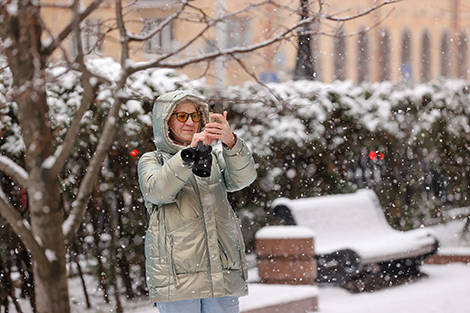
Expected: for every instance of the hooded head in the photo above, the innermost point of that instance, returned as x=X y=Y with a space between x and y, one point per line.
x=162 y=109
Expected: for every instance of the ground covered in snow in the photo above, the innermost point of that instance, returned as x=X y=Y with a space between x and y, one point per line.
x=445 y=290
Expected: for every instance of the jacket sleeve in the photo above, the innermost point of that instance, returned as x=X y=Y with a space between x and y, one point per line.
x=161 y=183
x=240 y=169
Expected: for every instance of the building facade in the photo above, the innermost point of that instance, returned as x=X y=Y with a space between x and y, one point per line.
x=412 y=40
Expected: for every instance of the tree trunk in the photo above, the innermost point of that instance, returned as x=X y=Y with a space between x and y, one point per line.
x=50 y=277
x=110 y=206
x=122 y=261
x=95 y=218
x=304 y=67
x=24 y=29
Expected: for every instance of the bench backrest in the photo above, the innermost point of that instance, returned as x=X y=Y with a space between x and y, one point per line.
x=339 y=219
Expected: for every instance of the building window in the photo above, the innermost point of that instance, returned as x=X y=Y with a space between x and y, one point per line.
x=426 y=56
x=445 y=55
x=339 y=56
x=162 y=41
x=384 y=59
x=463 y=55
x=238 y=33
x=406 y=67
x=363 y=57
x=92 y=36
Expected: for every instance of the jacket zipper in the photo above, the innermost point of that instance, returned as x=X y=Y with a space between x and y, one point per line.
x=172 y=257
x=240 y=253
x=196 y=188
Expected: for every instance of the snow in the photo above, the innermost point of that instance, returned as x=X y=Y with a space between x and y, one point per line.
x=49 y=162
x=68 y=224
x=12 y=8
x=271 y=295
x=50 y=255
x=451 y=240
x=445 y=289
x=356 y=221
x=9 y=163
x=285 y=232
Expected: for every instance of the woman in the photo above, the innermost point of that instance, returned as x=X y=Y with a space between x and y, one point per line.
x=195 y=258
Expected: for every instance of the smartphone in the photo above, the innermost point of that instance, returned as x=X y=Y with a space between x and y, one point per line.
x=216 y=107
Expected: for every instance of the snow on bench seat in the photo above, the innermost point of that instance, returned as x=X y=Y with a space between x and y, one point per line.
x=355 y=221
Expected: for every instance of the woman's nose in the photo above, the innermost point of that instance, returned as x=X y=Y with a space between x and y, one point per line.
x=189 y=121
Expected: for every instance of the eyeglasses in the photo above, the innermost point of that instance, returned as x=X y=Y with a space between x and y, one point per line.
x=183 y=116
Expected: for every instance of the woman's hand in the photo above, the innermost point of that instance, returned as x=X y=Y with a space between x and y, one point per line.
x=202 y=136
x=216 y=130
x=220 y=130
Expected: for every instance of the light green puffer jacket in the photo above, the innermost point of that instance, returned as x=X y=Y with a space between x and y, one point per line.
x=193 y=246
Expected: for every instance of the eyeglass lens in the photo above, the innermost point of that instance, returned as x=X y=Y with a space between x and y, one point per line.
x=183 y=116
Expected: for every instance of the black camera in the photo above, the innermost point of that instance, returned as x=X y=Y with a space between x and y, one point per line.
x=201 y=158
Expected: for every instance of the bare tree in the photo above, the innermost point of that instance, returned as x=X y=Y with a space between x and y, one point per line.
x=29 y=56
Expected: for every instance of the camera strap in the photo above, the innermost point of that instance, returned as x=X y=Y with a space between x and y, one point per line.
x=159 y=156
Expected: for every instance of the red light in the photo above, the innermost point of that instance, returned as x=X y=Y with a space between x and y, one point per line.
x=381 y=156
x=372 y=155
x=134 y=152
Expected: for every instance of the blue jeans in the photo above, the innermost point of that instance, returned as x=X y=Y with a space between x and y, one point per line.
x=209 y=305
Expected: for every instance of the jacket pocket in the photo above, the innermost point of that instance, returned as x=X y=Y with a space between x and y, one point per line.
x=156 y=272
x=188 y=247
x=229 y=244
x=241 y=249
x=156 y=263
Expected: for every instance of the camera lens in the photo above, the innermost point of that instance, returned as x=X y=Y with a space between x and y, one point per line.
x=188 y=155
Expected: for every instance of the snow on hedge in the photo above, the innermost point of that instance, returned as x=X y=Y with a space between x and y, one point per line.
x=308 y=137
x=294 y=111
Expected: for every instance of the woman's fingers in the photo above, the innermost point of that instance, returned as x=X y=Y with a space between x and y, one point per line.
x=221 y=130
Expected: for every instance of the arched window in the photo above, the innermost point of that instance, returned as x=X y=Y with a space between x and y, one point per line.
x=463 y=56
x=445 y=55
x=363 y=57
x=384 y=59
x=406 y=65
x=339 y=56
x=426 y=56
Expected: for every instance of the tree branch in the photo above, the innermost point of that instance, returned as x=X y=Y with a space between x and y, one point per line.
x=281 y=101
x=361 y=14
x=64 y=151
x=22 y=228
x=136 y=37
x=72 y=224
x=122 y=32
x=68 y=29
x=225 y=52
x=12 y=169
x=290 y=31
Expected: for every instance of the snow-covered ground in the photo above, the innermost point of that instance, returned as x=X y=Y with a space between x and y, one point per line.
x=446 y=289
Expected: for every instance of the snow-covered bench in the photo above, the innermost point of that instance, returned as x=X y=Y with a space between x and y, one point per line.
x=353 y=238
